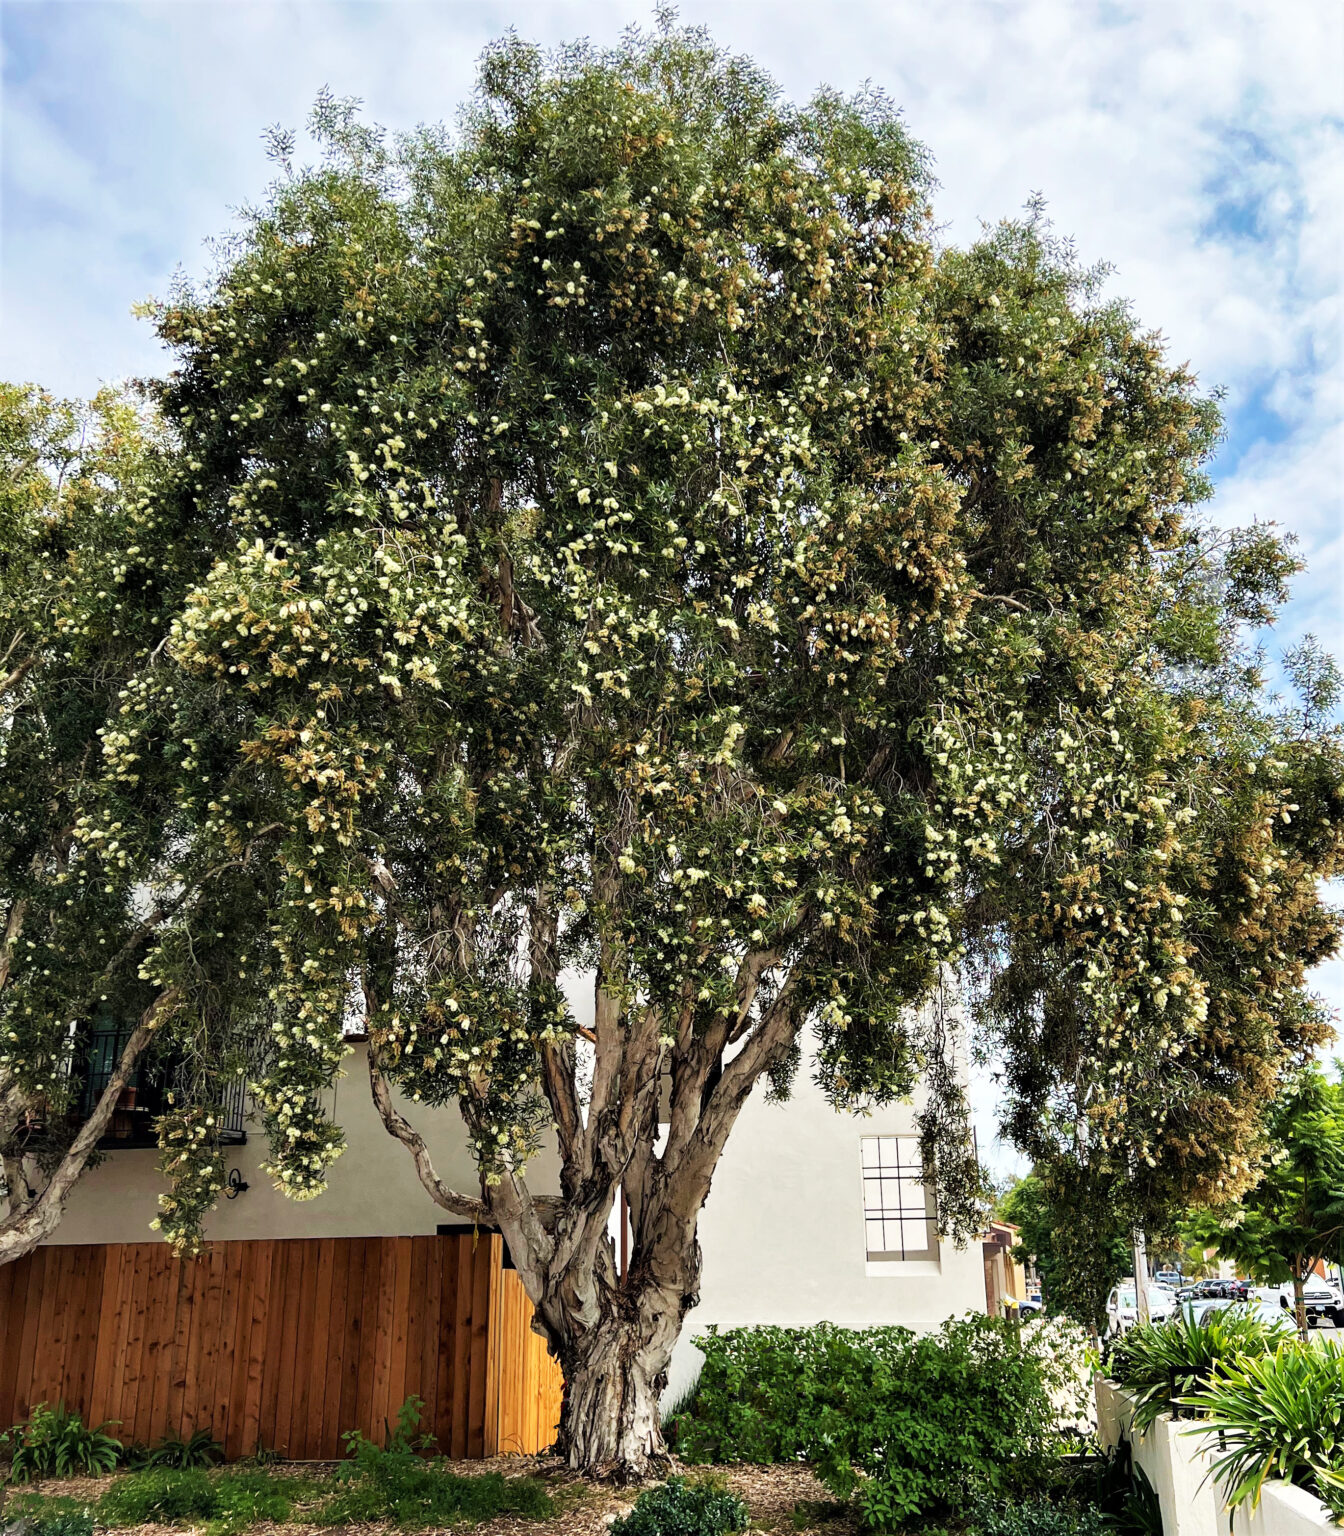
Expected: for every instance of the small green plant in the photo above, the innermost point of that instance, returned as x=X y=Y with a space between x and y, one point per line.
x=226 y=1502
x=159 y=1496
x=911 y=1429
x=1279 y=1415
x=682 y=1506
x=1041 y=1516
x=394 y=1482
x=55 y=1443
x=47 y=1516
x=1162 y=1363
x=201 y=1450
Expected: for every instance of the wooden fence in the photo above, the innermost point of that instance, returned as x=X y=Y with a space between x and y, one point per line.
x=281 y=1344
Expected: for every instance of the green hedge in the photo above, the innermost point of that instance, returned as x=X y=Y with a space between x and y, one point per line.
x=914 y=1428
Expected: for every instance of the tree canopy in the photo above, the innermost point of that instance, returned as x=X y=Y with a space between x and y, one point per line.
x=622 y=539
x=1293 y=1216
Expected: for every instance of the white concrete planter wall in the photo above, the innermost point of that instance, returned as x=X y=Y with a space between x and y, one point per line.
x=1192 y=1504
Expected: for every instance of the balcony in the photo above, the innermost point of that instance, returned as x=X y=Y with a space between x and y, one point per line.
x=145 y=1097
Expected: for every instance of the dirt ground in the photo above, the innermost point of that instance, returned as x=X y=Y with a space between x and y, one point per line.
x=781 y=1500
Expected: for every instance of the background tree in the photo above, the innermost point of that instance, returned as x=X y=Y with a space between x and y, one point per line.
x=640 y=551
x=1080 y=1247
x=1293 y=1217
x=92 y=566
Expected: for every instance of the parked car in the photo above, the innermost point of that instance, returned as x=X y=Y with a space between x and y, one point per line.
x=1171 y=1278
x=1215 y=1290
x=1322 y=1299
x=1122 y=1310
x=1269 y=1314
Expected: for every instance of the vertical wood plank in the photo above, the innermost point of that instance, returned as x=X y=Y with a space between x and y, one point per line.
x=486 y=1250
x=109 y=1313
x=284 y=1435
x=382 y=1327
x=272 y=1369
x=429 y=1332
x=49 y=1356
x=462 y=1345
x=156 y=1356
x=348 y=1410
x=493 y=1328
x=257 y=1305
x=179 y=1347
x=239 y=1350
x=23 y=1390
x=368 y=1340
x=11 y=1327
x=398 y=1333
x=334 y=1339
x=447 y=1319
x=310 y=1359
x=81 y=1330
x=12 y=1388
x=191 y=1390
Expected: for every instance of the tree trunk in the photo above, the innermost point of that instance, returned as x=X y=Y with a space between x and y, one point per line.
x=609 y=1424
x=1300 y=1308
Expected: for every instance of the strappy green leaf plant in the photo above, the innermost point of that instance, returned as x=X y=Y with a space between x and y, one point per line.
x=1278 y=1415
x=1162 y=1363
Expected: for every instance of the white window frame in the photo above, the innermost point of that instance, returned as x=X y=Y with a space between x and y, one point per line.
x=900 y=1215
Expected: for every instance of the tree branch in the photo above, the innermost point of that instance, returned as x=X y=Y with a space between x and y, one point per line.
x=399 y=1126
x=21 y=1233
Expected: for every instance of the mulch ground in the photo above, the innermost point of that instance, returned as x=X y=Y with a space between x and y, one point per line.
x=781 y=1499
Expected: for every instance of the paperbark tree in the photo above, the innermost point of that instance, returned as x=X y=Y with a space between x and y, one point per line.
x=641 y=552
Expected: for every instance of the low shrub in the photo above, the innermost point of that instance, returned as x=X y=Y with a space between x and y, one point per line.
x=1162 y=1363
x=396 y=1484
x=682 y=1506
x=159 y=1495
x=225 y=1502
x=200 y=1450
x=48 y=1516
x=912 y=1429
x=1041 y=1516
x=1278 y=1415
x=55 y=1443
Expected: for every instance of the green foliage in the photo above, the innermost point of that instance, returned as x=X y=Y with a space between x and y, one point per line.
x=682 y=1506
x=910 y=1428
x=394 y=1483
x=59 y=1516
x=1077 y=1237
x=55 y=1443
x=1163 y=1363
x=161 y=1496
x=226 y=1502
x=1278 y=1415
x=1294 y=1216
x=200 y=1450
x=1041 y=1516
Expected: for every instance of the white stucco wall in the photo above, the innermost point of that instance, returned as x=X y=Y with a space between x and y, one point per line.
x=372 y=1188
x=783 y=1238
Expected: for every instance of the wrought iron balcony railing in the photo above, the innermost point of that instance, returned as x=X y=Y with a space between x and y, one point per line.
x=145 y=1097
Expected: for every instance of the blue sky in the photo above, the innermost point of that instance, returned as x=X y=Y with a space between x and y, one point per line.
x=1196 y=145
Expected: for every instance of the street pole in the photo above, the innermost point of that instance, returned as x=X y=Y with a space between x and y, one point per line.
x=1141 y=1277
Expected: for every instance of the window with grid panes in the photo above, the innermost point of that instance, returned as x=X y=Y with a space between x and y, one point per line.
x=900 y=1218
